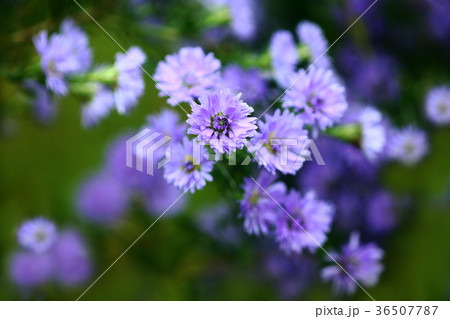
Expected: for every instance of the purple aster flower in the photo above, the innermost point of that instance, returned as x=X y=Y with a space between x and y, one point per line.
x=222 y=120
x=381 y=216
x=188 y=167
x=280 y=143
x=187 y=74
x=319 y=96
x=71 y=258
x=313 y=215
x=130 y=84
x=28 y=269
x=63 y=54
x=373 y=132
x=311 y=35
x=168 y=123
x=43 y=105
x=102 y=199
x=257 y=208
x=250 y=82
x=408 y=145
x=437 y=105
x=243 y=18
x=362 y=262
x=283 y=52
x=99 y=107
x=38 y=235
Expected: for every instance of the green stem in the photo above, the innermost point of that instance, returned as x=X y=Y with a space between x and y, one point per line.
x=347 y=132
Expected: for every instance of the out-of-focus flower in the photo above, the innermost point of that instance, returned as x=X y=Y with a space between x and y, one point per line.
x=250 y=83
x=43 y=105
x=99 y=107
x=437 y=14
x=28 y=269
x=130 y=84
x=308 y=224
x=257 y=208
x=293 y=274
x=116 y=165
x=187 y=74
x=408 y=145
x=222 y=120
x=63 y=54
x=102 y=199
x=71 y=259
x=380 y=215
x=168 y=123
x=362 y=262
x=318 y=95
x=280 y=142
x=372 y=78
x=311 y=35
x=243 y=18
x=373 y=132
x=283 y=52
x=437 y=105
x=216 y=221
x=38 y=235
x=188 y=167
x=159 y=196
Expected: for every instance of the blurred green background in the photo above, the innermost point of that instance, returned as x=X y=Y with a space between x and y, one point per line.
x=42 y=167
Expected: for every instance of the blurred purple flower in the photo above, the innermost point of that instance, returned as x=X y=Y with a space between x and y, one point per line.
x=318 y=95
x=28 y=269
x=158 y=196
x=250 y=83
x=437 y=14
x=282 y=140
x=437 y=105
x=311 y=35
x=188 y=167
x=292 y=274
x=130 y=84
x=408 y=145
x=215 y=221
x=308 y=224
x=187 y=74
x=373 y=132
x=257 y=208
x=381 y=216
x=72 y=262
x=222 y=120
x=43 y=104
x=168 y=123
x=283 y=52
x=99 y=107
x=102 y=199
x=37 y=235
x=63 y=54
x=362 y=262
x=243 y=18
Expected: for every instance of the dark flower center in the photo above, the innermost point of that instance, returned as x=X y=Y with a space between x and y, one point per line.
x=443 y=108
x=188 y=165
x=221 y=123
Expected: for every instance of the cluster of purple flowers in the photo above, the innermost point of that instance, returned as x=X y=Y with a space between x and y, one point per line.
x=49 y=255
x=66 y=60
